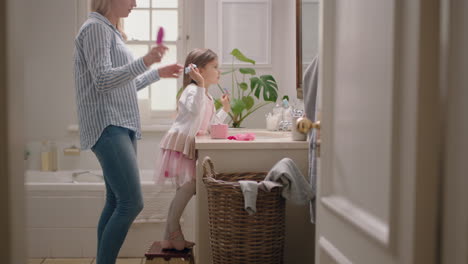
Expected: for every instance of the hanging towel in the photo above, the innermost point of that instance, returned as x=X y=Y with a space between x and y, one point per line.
x=250 y=192
x=311 y=102
x=295 y=186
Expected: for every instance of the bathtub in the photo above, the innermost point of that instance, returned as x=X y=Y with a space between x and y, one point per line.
x=63 y=209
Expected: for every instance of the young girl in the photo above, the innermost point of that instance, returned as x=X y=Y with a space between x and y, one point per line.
x=196 y=112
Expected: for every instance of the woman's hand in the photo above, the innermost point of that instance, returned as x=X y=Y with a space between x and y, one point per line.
x=154 y=55
x=225 y=101
x=196 y=76
x=170 y=71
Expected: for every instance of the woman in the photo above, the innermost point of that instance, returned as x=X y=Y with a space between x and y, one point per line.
x=107 y=79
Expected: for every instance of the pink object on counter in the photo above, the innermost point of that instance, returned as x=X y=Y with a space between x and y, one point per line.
x=243 y=137
x=219 y=131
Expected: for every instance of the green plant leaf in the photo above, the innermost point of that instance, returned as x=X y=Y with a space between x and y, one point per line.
x=238 y=55
x=237 y=106
x=286 y=97
x=266 y=83
x=228 y=72
x=247 y=71
x=249 y=102
x=218 y=104
x=243 y=86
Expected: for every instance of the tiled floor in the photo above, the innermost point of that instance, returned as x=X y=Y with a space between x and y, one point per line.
x=83 y=261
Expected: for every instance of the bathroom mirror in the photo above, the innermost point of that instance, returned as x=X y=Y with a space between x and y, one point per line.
x=307 y=25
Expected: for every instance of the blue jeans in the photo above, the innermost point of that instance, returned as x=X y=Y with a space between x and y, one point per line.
x=116 y=151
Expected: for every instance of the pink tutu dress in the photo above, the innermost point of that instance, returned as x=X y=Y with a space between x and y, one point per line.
x=173 y=164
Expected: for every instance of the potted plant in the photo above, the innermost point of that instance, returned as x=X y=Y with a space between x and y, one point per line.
x=249 y=92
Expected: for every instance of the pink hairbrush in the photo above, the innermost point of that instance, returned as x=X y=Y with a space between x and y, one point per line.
x=160 y=37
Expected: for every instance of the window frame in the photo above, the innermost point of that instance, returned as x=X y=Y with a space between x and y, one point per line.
x=166 y=116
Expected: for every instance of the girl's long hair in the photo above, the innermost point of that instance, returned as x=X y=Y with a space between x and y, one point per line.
x=103 y=7
x=199 y=57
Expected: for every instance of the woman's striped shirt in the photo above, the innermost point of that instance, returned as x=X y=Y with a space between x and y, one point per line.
x=107 y=78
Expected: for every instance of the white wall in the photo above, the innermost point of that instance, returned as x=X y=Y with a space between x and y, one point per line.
x=49 y=88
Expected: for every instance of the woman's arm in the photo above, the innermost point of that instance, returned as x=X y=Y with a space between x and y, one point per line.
x=168 y=71
x=97 y=41
x=146 y=79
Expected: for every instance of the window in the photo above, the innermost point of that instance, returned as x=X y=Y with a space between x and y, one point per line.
x=141 y=27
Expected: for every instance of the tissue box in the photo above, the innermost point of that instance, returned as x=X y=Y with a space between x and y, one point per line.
x=219 y=131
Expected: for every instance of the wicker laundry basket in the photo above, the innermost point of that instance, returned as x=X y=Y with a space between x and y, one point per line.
x=236 y=236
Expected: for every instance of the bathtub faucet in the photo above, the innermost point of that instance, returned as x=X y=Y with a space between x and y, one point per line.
x=78 y=173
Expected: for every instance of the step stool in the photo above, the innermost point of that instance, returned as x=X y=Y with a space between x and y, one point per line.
x=156 y=255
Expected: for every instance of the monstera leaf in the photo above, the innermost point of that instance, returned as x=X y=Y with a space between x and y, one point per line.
x=238 y=55
x=247 y=71
x=249 y=102
x=243 y=86
x=266 y=83
x=243 y=103
x=237 y=106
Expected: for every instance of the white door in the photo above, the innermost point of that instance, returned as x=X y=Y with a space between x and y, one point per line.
x=378 y=171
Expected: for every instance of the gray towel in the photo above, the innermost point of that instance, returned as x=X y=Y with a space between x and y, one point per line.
x=250 y=192
x=311 y=97
x=295 y=186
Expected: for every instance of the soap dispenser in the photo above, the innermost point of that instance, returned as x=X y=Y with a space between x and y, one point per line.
x=53 y=156
x=45 y=156
x=48 y=156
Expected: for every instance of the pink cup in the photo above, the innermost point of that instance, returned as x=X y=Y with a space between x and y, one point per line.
x=219 y=131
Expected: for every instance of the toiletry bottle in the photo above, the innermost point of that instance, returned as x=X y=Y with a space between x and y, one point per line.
x=45 y=156
x=286 y=124
x=53 y=164
x=277 y=115
x=287 y=111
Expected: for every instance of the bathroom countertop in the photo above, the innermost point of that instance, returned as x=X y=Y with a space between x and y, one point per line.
x=264 y=139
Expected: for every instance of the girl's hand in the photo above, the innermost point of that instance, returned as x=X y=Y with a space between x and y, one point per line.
x=225 y=101
x=170 y=71
x=196 y=76
x=154 y=55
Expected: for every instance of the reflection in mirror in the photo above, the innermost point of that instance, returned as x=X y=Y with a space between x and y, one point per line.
x=307 y=25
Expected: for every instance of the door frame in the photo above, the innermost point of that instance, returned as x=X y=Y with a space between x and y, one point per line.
x=454 y=61
x=12 y=201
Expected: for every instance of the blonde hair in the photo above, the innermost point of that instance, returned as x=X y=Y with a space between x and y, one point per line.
x=103 y=7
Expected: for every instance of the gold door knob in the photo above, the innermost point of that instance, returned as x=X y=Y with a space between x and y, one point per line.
x=316 y=125
x=303 y=125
